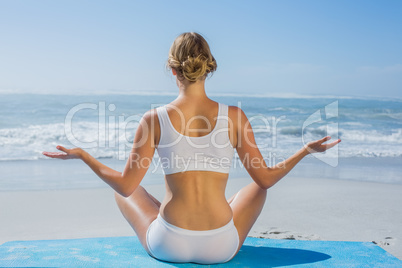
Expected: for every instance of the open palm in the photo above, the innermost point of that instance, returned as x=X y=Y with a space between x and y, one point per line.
x=74 y=153
x=318 y=146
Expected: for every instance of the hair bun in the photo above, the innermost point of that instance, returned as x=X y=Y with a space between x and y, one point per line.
x=194 y=68
x=191 y=57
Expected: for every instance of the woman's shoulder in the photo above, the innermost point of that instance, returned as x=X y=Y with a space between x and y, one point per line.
x=151 y=113
x=236 y=113
x=150 y=117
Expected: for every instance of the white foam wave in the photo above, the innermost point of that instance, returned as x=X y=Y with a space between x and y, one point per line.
x=27 y=143
x=355 y=143
x=374 y=137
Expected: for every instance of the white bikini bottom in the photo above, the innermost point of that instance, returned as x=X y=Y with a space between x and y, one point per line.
x=170 y=243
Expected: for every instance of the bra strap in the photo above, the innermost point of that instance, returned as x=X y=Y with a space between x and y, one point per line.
x=163 y=117
x=223 y=118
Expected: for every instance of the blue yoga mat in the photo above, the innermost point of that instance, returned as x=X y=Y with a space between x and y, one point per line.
x=256 y=252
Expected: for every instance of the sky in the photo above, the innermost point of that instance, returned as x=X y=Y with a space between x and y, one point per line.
x=342 y=48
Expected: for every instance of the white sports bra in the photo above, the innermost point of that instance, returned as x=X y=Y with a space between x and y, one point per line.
x=179 y=153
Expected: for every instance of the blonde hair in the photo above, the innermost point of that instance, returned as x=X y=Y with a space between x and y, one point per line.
x=191 y=57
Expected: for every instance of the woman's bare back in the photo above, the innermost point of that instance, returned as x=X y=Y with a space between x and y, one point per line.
x=195 y=200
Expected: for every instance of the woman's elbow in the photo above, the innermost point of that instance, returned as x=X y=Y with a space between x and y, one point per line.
x=127 y=191
x=125 y=185
x=129 y=188
x=263 y=178
x=264 y=183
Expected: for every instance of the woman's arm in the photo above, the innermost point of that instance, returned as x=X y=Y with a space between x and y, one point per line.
x=255 y=164
x=137 y=164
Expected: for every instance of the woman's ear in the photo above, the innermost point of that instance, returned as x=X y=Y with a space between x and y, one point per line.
x=174 y=72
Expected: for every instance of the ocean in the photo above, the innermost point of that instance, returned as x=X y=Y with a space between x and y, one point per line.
x=370 y=130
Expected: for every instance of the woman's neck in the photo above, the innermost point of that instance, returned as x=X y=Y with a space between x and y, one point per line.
x=195 y=90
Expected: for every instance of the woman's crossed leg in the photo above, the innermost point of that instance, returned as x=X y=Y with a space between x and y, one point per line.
x=140 y=209
x=247 y=205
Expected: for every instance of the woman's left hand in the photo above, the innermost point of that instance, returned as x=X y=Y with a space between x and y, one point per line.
x=318 y=146
x=74 y=153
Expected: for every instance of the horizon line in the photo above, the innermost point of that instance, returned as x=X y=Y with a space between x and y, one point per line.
x=288 y=95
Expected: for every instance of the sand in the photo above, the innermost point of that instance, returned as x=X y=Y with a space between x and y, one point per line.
x=296 y=208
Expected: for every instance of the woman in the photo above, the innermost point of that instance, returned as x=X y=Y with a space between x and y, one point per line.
x=195 y=138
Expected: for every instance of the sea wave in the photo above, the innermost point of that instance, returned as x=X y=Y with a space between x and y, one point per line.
x=30 y=124
x=105 y=141
x=28 y=143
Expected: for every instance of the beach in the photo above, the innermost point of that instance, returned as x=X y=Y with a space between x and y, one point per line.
x=353 y=194
x=296 y=208
x=84 y=74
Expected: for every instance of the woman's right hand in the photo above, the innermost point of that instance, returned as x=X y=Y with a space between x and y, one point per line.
x=75 y=153
x=318 y=146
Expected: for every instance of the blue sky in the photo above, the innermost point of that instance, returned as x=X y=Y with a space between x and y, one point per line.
x=262 y=47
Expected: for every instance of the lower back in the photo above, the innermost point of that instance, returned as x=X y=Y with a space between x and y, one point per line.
x=195 y=200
